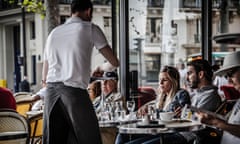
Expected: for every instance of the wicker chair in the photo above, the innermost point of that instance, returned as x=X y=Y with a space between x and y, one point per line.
x=24 y=104
x=14 y=128
x=20 y=94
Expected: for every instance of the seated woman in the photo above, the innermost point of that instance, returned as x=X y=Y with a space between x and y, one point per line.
x=94 y=90
x=170 y=98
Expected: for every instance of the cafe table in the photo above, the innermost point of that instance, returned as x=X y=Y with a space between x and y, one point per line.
x=31 y=113
x=108 y=129
x=160 y=127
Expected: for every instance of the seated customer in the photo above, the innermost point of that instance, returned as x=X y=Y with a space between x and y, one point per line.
x=94 y=90
x=109 y=88
x=170 y=98
x=199 y=76
x=38 y=98
x=7 y=99
x=170 y=95
x=231 y=127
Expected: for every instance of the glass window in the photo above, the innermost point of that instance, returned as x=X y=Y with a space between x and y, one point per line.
x=167 y=32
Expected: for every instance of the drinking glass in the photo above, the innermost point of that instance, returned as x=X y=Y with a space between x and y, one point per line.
x=131 y=107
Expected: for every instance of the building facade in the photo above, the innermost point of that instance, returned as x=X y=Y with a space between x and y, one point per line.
x=22 y=36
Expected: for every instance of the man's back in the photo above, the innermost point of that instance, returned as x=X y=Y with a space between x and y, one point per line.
x=69 y=49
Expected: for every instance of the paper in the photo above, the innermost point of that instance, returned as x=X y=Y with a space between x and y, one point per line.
x=207 y=112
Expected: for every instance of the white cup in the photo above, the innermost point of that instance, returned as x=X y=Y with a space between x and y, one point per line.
x=166 y=116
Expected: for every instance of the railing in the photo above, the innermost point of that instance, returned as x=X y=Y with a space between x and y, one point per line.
x=95 y=2
x=156 y=3
x=65 y=1
x=197 y=4
x=4 y=5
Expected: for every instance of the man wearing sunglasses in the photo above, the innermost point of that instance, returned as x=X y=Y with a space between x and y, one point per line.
x=231 y=127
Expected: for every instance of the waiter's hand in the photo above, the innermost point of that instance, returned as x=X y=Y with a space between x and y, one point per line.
x=97 y=72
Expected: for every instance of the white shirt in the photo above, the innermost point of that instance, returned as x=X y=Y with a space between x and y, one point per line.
x=68 y=52
x=38 y=104
x=228 y=138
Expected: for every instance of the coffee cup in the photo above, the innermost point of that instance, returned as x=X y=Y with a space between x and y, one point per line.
x=166 y=116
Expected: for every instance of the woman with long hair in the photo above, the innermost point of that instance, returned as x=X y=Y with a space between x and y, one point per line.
x=171 y=98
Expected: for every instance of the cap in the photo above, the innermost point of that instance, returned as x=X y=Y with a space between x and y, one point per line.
x=110 y=75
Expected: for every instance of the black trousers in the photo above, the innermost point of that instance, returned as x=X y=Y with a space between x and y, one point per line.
x=69 y=116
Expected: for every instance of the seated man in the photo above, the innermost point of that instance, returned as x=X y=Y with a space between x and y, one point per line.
x=231 y=128
x=109 y=88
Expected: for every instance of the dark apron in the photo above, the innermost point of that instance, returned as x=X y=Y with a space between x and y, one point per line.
x=69 y=117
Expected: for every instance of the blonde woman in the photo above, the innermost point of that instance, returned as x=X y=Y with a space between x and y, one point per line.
x=171 y=97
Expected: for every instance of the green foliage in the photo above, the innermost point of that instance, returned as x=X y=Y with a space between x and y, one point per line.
x=35 y=6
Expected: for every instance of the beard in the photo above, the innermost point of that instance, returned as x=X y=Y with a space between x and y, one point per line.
x=194 y=84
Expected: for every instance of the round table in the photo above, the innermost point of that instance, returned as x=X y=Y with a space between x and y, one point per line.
x=166 y=127
x=161 y=128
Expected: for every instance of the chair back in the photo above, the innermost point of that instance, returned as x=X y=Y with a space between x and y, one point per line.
x=225 y=107
x=146 y=94
x=21 y=93
x=14 y=128
x=24 y=104
x=230 y=92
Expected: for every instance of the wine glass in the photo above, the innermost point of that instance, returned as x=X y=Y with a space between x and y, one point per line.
x=131 y=107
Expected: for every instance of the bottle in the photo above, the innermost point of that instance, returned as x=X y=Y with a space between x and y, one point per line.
x=183 y=113
x=186 y=113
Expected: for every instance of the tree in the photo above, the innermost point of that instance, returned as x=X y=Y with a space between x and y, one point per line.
x=35 y=6
x=52 y=14
x=50 y=10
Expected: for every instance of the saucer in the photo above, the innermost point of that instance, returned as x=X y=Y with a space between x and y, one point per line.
x=149 y=125
x=167 y=121
x=174 y=120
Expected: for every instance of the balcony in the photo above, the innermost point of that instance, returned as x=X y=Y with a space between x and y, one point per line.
x=6 y=6
x=156 y=3
x=195 y=5
x=65 y=1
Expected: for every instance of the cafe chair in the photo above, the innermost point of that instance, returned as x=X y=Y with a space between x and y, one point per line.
x=21 y=93
x=19 y=96
x=145 y=94
x=226 y=107
x=36 y=124
x=14 y=128
x=230 y=92
x=23 y=105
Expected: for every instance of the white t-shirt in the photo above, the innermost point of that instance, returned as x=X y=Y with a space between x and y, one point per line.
x=68 y=52
x=228 y=138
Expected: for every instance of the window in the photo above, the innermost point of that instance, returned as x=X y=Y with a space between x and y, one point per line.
x=152 y=62
x=32 y=30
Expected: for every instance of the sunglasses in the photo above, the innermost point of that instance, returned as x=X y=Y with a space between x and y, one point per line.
x=230 y=73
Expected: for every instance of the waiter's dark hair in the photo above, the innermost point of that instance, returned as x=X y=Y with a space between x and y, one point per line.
x=81 y=5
